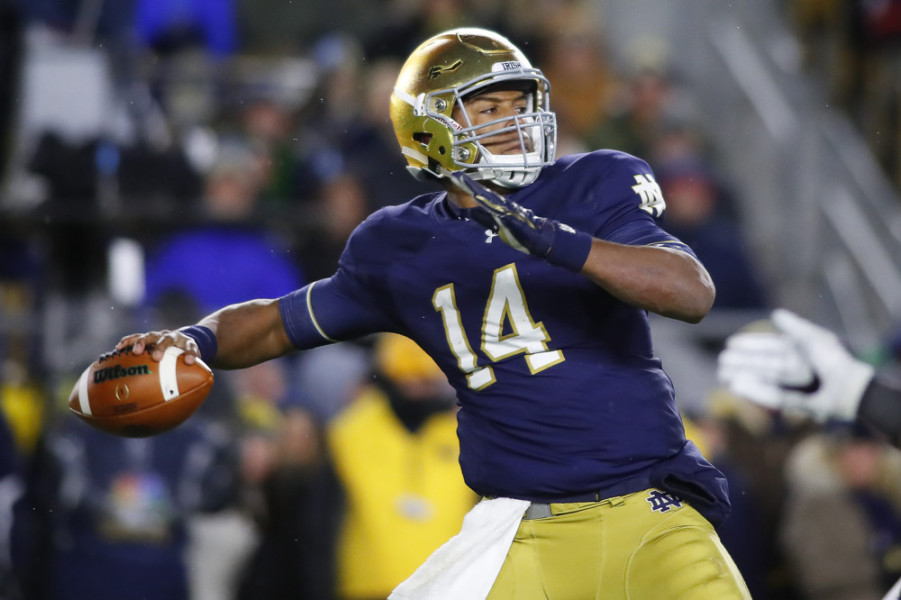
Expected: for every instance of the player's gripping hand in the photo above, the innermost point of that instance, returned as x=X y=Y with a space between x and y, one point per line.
x=196 y=341
x=802 y=369
x=519 y=227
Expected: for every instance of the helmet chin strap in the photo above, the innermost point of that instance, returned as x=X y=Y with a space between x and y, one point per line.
x=506 y=179
x=516 y=174
x=493 y=172
x=500 y=177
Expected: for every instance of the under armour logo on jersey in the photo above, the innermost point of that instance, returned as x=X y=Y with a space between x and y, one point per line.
x=489 y=235
x=662 y=502
x=650 y=194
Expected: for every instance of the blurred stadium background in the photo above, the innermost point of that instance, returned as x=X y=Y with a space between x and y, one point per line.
x=259 y=128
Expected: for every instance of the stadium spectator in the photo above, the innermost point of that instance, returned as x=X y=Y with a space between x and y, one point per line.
x=270 y=123
x=402 y=23
x=368 y=146
x=106 y=517
x=397 y=492
x=853 y=46
x=697 y=212
x=845 y=471
x=640 y=106
x=584 y=82
x=341 y=205
x=171 y=26
x=282 y=449
x=232 y=257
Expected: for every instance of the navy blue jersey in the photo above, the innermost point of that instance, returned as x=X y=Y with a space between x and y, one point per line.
x=560 y=392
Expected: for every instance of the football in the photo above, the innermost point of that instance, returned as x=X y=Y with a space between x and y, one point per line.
x=134 y=396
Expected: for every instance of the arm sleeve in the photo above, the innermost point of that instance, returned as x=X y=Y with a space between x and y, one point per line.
x=633 y=205
x=647 y=233
x=330 y=310
x=881 y=407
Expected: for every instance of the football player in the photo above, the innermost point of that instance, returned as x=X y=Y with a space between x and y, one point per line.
x=804 y=369
x=528 y=280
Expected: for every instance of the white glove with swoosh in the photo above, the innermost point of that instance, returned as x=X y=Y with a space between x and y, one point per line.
x=801 y=369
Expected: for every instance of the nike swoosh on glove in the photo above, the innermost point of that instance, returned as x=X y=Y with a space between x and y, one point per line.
x=522 y=229
x=802 y=368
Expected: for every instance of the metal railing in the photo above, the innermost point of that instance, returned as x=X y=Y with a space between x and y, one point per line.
x=822 y=219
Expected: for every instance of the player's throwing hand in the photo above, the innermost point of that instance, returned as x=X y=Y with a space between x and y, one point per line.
x=522 y=229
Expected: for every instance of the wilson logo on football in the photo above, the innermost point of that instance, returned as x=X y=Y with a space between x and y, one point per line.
x=118 y=371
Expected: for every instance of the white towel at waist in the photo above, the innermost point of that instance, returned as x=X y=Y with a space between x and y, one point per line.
x=895 y=592
x=468 y=563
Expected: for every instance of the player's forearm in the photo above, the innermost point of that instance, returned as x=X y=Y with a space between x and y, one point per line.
x=664 y=281
x=247 y=334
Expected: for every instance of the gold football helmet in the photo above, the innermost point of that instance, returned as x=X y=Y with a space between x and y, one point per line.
x=437 y=76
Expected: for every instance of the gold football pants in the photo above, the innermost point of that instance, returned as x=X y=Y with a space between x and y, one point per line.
x=643 y=546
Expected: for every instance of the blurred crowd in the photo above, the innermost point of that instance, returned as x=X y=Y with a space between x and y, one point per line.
x=855 y=48
x=237 y=146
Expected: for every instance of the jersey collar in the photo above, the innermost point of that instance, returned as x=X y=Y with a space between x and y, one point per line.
x=452 y=211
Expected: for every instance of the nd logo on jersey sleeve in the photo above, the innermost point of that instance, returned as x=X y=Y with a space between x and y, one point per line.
x=651 y=195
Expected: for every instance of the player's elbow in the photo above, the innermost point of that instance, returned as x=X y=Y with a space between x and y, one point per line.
x=687 y=291
x=698 y=302
x=697 y=314
x=688 y=299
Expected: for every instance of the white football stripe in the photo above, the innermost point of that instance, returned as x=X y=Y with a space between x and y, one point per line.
x=168 y=377
x=84 y=403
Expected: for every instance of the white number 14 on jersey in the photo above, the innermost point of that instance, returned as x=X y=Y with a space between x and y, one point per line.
x=505 y=311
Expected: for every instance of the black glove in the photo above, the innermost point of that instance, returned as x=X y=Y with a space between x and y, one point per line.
x=520 y=228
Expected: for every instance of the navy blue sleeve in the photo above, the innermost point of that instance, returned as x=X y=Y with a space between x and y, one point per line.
x=642 y=233
x=633 y=217
x=328 y=311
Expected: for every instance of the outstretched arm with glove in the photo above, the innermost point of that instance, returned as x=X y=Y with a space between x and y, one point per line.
x=804 y=369
x=665 y=281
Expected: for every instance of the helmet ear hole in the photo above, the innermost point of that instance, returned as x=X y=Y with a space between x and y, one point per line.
x=422 y=137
